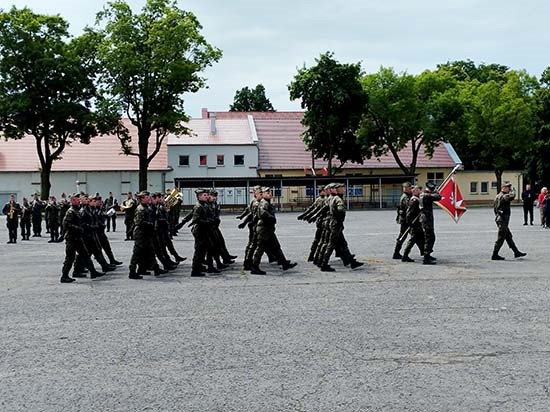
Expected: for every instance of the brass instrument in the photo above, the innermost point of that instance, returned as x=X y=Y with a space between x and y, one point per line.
x=127 y=204
x=173 y=198
x=11 y=212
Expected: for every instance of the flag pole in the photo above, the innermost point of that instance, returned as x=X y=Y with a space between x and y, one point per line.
x=406 y=233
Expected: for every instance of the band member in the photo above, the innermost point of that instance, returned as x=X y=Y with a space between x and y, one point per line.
x=37 y=206
x=25 y=219
x=129 y=207
x=111 y=203
x=51 y=214
x=502 y=219
x=12 y=210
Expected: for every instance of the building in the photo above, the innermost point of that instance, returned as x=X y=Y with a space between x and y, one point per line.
x=98 y=167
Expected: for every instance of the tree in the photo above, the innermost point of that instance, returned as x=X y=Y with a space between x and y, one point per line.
x=499 y=121
x=408 y=112
x=251 y=100
x=46 y=86
x=149 y=60
x=334 y=100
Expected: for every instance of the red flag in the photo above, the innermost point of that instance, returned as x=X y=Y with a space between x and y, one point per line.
x=324 y=171
x=451 y=199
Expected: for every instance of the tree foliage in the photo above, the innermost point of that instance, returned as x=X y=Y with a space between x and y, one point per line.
x=407 y=112
x=251 y=100
x=46 y=86
x=333 y=99
x=149 y=60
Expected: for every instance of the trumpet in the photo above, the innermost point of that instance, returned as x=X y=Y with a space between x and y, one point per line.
x=173 y=198
x=11 y=212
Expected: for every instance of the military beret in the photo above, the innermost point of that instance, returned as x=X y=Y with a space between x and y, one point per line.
x=257 y=189
x=143 y=193
x=507 y=184
x=337 y=185
x=199 y=191
x=213 y=192
x=406 y=184
x=266 y=189
x=430 y=186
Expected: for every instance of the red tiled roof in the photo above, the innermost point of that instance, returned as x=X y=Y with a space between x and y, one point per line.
x=229 y=131
x=102 y=154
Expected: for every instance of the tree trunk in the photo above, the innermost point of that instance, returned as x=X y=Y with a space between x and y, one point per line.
x=498 y=174
x=45 y=184
x=143 y=135
x=143 y=165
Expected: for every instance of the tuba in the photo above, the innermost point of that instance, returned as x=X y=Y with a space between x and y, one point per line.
x=173 y=198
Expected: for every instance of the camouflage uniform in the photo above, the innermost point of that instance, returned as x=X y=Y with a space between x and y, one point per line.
x=402 y=221
x=502 y=219
x=427 y=198
x=201 y=224
x=143 y=254
x=416 y=233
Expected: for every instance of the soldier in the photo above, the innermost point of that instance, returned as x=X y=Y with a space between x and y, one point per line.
x=111 y=203
x=249 y=217
x=158 y=217
x=401 y=219
x=201 y=225
x=36 y=211
x=25 y=219
x=164 y=228
x=427 y=198
x=12 y=210
x=217 y=235
x=102 y=218
x=335 y=239
x=311 y=214
x=143 y=255
x=266 y=239
x=412 y=218
x=129 y=206
x=72 y=231
x=51 y=212
x=502 y=219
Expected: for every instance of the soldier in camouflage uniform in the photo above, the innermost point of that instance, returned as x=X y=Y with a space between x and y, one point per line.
x=64 y=205
x=502 y=219
x=266 y=239
x=72 y=233
x=427 y=198
x=335 y=239
x=311 y=215
x=201 y=225
x=412 y=217
x=402 y=219
x=249 y=217
x=100 y=212
x=129 y=206
x=51 y=213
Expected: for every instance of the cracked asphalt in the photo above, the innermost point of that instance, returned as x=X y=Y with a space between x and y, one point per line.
x=467 y=334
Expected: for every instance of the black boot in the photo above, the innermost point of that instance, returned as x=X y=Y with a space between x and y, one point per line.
x=327 y=268
x=518 y=254
x=355 y=264
x=115 y=262
x=95 y=274
x=134 y=275
x=289 y=265
x=406 y=258
x=66 y=279
x=255 y=270
x=197 y=273
x=496 y=256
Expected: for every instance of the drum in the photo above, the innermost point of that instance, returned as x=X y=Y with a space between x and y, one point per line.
x=111 y=212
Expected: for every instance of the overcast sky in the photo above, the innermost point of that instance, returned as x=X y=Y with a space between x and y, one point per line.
x=265 y=41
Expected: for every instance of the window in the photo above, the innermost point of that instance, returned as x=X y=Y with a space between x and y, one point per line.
x=184 y=160
x=220 y=160
x=238 y=160
x=436 y=177
x=473 y=187
x=355 y=190
x=493 y=185
x=484 y=187
x=203 y=160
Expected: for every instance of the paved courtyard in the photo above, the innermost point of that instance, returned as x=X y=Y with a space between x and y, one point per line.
x=467 y=334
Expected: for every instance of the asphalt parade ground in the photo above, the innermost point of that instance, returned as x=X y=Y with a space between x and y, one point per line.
x=467 y=334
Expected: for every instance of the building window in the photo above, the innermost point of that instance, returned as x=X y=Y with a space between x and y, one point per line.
x=238 y=160
x=184 y=160
x=355 y=190
x=484 y=188
x=473 y=187
x=493 y=185
x=436 y=177
x=220 y=160
x=203 y=160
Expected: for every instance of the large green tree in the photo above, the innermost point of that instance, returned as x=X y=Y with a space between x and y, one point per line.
x=251 y=100
x=149 y=60
x=46 y=86
x=497 y=129
x=334 y=100
x=408 y=113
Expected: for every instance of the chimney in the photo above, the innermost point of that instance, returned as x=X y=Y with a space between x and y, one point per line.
x=204 y=113
x=213 y=123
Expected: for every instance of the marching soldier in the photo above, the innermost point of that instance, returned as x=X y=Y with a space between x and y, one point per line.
x=311 y=214
x=427 y=198
x=64 y=205
x=73 y=231
x=25 y=219
x=129 y=207
x=102 y=219
x=335 y=239
x=201 y=224
x=412 y=218
x=266 y=239
x=12 y=210
x=217 y=235
x=36 y=212
x=401 y=219
x=502 y=219
x=249 y=217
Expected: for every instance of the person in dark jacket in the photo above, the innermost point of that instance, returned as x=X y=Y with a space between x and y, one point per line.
x=528 y=197
x=502 y=219
x=427 y=199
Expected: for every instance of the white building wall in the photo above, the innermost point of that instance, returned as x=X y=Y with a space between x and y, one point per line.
x=24 y=184
x=212 y=170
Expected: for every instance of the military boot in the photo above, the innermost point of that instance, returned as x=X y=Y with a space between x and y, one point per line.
x=95 y=274
x=134 y=275
x=518 y=254
x=355 y=264
x=66 y=279
x=289 y=265
x=256 y=270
